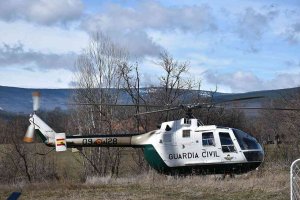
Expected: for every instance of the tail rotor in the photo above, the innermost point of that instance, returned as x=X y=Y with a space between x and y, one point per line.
x=36 y=101
x=36 y=105
x=29 y=134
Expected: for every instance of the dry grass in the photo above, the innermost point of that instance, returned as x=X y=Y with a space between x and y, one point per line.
x=254 y=185
x=270 y=182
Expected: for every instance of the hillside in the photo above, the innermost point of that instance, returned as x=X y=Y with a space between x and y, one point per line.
x=19 y=100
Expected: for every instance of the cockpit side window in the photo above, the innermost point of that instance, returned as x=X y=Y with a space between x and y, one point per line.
x=226 y=142
x=245 y=141
x=208 y=139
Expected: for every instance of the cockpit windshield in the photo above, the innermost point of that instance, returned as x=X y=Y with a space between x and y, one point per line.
x=246 y=141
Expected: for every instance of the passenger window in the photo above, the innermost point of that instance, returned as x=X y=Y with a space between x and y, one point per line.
x=226 y=142
x=208 y=139
x=186 y=133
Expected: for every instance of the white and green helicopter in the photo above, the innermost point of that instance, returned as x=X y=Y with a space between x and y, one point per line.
x=179 y=147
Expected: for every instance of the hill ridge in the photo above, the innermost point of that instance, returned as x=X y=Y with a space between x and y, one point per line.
x=19 y=100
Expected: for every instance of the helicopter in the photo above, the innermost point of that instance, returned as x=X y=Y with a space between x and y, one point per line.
x=181 y=147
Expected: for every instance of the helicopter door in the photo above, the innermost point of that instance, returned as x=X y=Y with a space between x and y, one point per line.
x=227 y=146
x=210 y=151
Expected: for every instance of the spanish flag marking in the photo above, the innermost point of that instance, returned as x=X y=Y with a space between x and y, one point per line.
x=60 y=142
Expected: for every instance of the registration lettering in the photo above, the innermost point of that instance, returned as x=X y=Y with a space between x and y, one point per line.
x=99 y=141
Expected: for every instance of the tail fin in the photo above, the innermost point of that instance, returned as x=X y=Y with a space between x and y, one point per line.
x=43 y=130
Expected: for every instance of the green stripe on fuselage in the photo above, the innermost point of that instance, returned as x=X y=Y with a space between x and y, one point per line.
x=157 y=163
x=154 y=159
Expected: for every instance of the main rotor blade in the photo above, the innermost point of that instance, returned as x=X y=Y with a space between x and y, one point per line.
x=158 y=111
x=206 y=105
x=262 y=108
x=116 y=105
x=183 y=106
x=239 y=99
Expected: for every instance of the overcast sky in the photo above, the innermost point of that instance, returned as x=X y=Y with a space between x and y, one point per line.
x=239 y=46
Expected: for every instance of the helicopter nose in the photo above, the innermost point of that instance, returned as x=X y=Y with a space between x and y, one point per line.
x=254 y=156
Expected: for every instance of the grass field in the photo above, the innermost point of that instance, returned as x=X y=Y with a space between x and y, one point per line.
x=271 y=181
x=153 y=186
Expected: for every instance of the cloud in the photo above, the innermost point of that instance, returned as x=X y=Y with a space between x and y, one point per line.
x=137 y=43
x=252 y=24
x=37 y=79
x=153 y=15
x=292 y=63
x=73 y=84
x=129 y=25
x=17 y=56
x=30 y=69
x=243 y=81
x=59 y=80
x=293 y=33
x=56 y=39
x=41 y=11
x=238 y=81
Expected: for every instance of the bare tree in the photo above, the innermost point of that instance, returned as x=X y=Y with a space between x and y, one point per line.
x=173 y=86
x=19 y=161
x=99 y=81
x=172 y=82
x=132 y=86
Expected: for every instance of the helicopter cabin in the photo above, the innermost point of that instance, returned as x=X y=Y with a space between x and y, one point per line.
x=183 y=142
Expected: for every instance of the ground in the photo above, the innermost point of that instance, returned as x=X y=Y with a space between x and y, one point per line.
x=270 y=181
x=153 y=186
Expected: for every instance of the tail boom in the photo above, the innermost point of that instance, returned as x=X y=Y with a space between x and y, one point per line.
x=119 y=140
x=53 y=139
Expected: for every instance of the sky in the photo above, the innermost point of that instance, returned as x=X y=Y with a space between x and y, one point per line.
x=236 y=46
